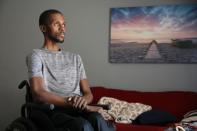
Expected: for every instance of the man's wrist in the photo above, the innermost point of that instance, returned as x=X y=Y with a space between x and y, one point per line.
x=68 y=100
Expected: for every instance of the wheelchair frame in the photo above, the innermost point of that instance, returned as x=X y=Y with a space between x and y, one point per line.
x=25 y=121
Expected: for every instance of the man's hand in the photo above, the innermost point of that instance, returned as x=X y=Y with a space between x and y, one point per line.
x=78 y=102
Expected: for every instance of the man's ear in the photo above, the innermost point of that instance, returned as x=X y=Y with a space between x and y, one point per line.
x=43 y=28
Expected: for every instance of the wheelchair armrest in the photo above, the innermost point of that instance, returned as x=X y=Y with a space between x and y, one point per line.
x=48 y=107
x=30 y=105
x=39 y=106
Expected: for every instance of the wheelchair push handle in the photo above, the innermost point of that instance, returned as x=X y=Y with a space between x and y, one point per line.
x=23 y=83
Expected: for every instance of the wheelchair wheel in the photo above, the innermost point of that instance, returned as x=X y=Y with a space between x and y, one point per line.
x=22 y=124
x=17 y=126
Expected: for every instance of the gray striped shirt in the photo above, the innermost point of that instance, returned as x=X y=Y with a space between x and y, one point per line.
x=61 y=71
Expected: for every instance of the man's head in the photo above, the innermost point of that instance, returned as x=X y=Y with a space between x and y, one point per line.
x=52 y=24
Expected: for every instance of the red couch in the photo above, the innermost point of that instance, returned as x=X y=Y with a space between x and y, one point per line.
x=175 y=102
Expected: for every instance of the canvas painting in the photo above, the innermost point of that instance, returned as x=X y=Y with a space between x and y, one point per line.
x=153 y=34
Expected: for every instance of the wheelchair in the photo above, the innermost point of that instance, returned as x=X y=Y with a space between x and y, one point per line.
x=33 y=116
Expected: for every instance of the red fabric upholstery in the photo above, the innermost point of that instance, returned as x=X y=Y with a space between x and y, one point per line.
x=129 y=127
x=175 y=102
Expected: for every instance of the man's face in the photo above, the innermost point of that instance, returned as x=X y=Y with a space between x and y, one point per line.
x=55 y=30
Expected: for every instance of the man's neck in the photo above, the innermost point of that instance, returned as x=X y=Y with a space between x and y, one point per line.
x=51 y=46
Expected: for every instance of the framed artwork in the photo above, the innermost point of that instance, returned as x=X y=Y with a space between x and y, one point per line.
x=153 y=34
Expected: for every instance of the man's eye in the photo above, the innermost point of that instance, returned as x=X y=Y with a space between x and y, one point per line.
x=56 y=24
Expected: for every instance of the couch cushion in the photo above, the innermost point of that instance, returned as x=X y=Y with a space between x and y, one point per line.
x=155 y=116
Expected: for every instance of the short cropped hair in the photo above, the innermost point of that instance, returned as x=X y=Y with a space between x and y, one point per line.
x=45 y=16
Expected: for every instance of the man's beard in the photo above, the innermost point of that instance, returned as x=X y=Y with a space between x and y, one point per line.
x=55 y=39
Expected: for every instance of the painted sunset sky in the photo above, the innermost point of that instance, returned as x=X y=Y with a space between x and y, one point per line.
x=160 y=23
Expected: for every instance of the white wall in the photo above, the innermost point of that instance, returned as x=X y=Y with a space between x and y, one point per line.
x=88 y=35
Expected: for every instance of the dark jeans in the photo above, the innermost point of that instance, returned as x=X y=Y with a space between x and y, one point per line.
x=70 y=119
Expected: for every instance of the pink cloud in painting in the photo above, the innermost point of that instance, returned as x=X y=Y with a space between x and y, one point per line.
x=162 y=23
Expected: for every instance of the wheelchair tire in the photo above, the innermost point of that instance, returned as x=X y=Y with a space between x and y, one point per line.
x=23 y=124
x=16 y=126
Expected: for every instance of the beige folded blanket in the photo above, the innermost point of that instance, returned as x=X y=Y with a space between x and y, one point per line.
x=122 y=111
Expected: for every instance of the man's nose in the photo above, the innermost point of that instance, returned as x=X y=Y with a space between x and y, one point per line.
x=63 y=28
